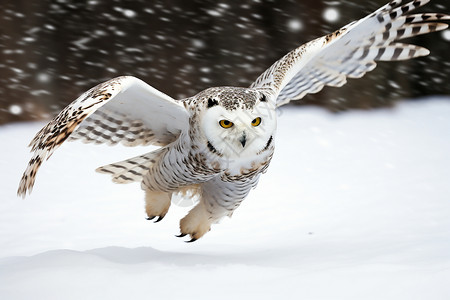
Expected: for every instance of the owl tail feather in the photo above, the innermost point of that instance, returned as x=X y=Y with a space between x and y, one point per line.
x=132 y=169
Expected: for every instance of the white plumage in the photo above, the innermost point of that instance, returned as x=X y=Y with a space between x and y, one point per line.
x=216 y=144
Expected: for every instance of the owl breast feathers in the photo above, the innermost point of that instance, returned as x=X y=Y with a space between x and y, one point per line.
x=215 y=145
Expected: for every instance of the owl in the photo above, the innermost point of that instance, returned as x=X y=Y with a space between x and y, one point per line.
x=215 y=145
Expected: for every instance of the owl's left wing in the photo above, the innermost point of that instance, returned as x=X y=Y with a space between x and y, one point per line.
x=350 y=51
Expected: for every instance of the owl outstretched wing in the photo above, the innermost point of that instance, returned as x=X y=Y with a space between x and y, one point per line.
x=122 y=110
x=350 y=51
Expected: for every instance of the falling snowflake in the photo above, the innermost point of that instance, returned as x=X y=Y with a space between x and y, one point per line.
x=295 y=25
x=15 y=109
x=129 y=13
x=331 y=14
x=43 y=77
x=446 y=35
x=214 y=13
x=198 y=43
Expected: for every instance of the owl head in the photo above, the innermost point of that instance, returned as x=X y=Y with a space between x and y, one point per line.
x=237 y=122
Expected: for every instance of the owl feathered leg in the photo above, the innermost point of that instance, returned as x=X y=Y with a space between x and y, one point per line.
x=218 y=199
x=157 y=204
x=197 y=222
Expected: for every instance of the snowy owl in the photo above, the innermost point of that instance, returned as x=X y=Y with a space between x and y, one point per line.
x=215 y=145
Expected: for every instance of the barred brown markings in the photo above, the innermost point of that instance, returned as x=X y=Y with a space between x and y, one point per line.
x=426 y=17
x=411 y=52
x=432 y=27
x=386 y=35
x=106 y=137
x=380 y=18
x=393 y=14
x=94 y=131
x=135 y=132
x=115 y=121
x=134 y=172
x=105 y=170
x=400 y=32
x=118 y=166
x=409 y=20
x=397 y=53
x=104 y=126
x=380 y=53
x=416 y=29
x=352 y=71
x=125 y=177
x=350 y=55
x=405 y=9
x=417 y=3
x=365 y=53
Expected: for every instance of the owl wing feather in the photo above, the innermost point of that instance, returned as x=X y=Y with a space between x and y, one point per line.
x=122 y=110
x=350 y=52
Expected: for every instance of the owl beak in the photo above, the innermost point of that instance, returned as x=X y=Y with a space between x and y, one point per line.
x=243 y=139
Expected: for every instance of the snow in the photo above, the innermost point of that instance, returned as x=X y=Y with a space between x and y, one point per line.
x=15 y=109
x=295 y=25
x=446 y=35
x=354 y=206
x=331 y=14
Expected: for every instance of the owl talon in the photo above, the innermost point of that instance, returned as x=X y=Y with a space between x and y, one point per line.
x=181 y=235
x=196 y=223
x=156 y=204
x=159 y=219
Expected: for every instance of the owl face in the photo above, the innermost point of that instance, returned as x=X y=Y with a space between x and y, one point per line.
x=239 y=123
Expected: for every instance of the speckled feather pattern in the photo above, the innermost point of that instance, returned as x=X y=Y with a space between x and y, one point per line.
x=351 y=51
x=128 y=111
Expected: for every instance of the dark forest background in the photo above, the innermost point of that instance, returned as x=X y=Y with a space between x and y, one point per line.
x=52 y=51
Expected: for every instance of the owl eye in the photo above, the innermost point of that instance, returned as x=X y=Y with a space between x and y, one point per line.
x=225 y=123
x=256 y=121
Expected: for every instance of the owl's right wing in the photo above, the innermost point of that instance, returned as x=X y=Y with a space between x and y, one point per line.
x=122 y=110
x=349 y=52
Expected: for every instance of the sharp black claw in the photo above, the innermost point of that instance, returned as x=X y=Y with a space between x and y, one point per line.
x=151 y=218
x=192 y=240
x=159 y=219
x=181 y=235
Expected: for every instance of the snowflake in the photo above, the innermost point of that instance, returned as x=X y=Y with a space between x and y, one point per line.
x=15 y=109
x=295 y=25
x=446 y=35
x=331 y=14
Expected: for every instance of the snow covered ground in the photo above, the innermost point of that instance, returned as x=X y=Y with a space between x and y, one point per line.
x=354 y=206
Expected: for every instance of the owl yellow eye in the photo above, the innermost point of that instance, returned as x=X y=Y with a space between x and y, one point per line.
x=256 y=121
x=225 y=123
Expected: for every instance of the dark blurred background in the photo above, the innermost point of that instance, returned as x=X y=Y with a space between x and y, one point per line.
x=52 y=51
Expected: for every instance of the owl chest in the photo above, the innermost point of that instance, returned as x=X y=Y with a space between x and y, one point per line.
x=206 y=163
x=248 y=168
